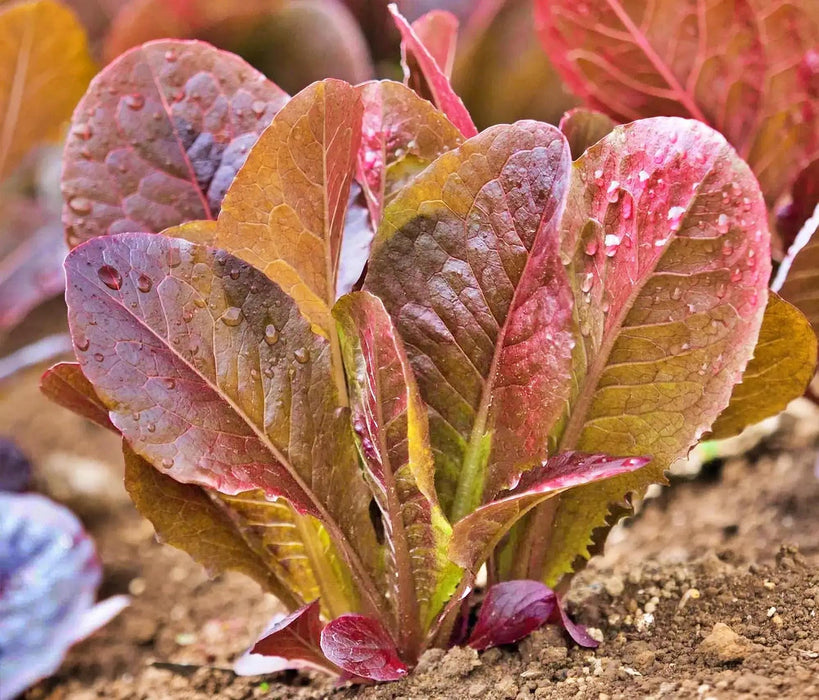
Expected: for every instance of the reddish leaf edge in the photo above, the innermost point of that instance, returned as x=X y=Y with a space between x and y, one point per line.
x=352 y=647
x=512 y=610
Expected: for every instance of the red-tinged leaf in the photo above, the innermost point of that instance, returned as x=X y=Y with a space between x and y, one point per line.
x=390 y=423
x=804 y=197
x=745 y=67
x=361 y=646
x=437 y=30
x=285 y=211
x=583 y=128
x=31 y=259
x=475 y=536
x=668 y=251
x=212 y=375
x=296 y=639
x=159 y=136
x=797 y=279
x=510 y=611
x=781 y=369
x=402 y=134
x=466 y=262
x=44 y=67
x=66 y=385
x=421 y=69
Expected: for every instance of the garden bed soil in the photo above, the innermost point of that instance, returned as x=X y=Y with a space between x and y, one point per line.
x=711 y=591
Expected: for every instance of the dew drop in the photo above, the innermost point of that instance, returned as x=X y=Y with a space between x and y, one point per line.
x=135 y=416
x=643 y=175
x=82 y=206
x=271 y=334
x=99 y=357
x=234 y=273
x=151 y=427
x=135 y=101
x=169 y=383
x=170 y=56
x=258 y=107
x=727 y=248
x=110 y=277
x=675 y=215
x=82 y=344
x=268 y=372
x=598 y=176
x=254 y=374
x=144 y=283
x=302 y=355
x=736 y=275
x=591 y=246
x=586 y=284
x=585 y=328
x=167 y=463
x=722 y=223
x=627 y=207
x=722 y=288
x=199 y=302
x=613 y=192
x=174 y=257
x=676 y=293
x=83 y=131
x=232 y=316
x=187 y=315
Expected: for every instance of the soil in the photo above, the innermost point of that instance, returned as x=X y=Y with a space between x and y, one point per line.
x=711 y=591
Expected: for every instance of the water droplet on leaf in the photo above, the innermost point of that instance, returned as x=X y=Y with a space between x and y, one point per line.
x=302 y=355
x=135 y=101
x=271 y=334
x=110 y=277
x=144 y=283
x=232 y=316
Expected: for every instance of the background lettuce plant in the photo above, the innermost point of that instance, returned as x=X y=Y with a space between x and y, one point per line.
x=375 y=349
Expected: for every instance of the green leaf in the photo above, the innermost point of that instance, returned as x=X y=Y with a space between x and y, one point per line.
x=782 y=366
x=192 y=519
x=466 y=263
x=390 y=423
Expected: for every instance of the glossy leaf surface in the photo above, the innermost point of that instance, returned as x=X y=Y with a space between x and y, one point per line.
x=476 y=535
x=159 y=136
x=583 y=128
x=50 y=574
x=66 y=385
x=45 y=67
x=782 y=366
x=390 y=423
x=362 y=647
x=421 y=69
x=402 y=134
x=285 y=211
x=746 y=67
x=668 y=251
x=510 y=611
x=213 y=376
x=466 y=263
x=296 y=639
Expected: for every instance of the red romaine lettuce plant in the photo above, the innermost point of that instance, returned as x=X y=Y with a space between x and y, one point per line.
x=749 y=68
x=396 y=350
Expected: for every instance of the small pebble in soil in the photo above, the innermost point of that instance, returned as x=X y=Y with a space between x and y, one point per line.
x=724 y=646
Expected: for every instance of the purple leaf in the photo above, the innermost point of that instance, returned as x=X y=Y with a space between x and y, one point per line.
x=361 y=646
x=576 y=631
x=295 y=641
x=510 y=611
x=49 y=573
